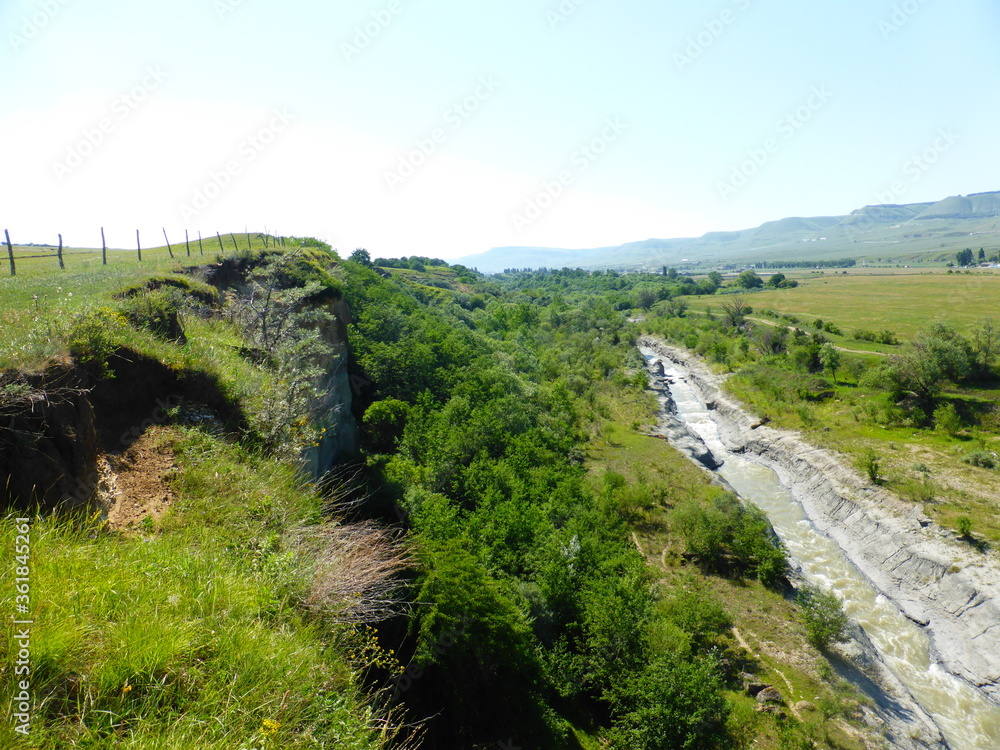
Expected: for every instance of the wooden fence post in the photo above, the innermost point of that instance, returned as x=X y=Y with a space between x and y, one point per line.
x=221 y=248
x=138 y=245
x=187 y=243
x=10 y=253
x=201 y=248
x=233 y=236
x=104 y=249
x=62 y=266
x=169 y=249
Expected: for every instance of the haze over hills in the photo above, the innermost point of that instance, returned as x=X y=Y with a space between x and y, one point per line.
x=905 y=234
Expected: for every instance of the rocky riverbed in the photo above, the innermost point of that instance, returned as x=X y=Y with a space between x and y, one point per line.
x=950 y=590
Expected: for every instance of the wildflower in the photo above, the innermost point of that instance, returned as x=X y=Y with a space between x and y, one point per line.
x=126 y=688
x=270 y=727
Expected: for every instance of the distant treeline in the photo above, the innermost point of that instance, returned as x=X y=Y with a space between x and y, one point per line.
x=841 y=263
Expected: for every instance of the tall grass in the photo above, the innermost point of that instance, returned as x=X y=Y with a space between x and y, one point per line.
x=190 y=638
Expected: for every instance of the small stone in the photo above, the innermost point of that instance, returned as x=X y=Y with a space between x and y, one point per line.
x=754 y=688
x=769 y=695
x=805 y=706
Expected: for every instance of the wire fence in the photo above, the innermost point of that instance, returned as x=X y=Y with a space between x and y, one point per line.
x=189 y=248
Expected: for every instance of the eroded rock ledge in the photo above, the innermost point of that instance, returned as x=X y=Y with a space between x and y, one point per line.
x=936 y=581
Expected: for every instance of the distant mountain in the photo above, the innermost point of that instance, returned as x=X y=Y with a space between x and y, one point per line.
x=908 y=233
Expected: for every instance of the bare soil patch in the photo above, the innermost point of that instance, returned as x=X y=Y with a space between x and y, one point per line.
x=137 y=481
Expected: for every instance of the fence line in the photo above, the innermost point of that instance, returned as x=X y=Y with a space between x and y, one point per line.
x=266 y=237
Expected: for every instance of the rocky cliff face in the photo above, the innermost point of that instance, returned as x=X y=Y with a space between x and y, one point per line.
x=935 y=581
x=333 y=413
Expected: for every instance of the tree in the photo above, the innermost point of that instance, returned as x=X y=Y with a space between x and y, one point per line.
x=829 y=357
x=384 y=422
x=675 y=308
x=716 y=278
x=936 y=355
x=775 y=280
x=735 y=309
x=982 y=255
x=824 y=618
x=964 y=257
x=361 y=256
x=674 y=703
x=646 y=298
x=749 y=280
x=985 y=345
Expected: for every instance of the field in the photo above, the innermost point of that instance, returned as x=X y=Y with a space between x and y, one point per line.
x=41 y=300
x=923 y=464
x=904 y=303
x=36 y=260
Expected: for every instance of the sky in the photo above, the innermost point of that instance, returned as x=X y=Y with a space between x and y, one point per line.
x=444 y=128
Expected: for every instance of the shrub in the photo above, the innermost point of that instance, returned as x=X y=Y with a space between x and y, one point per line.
x=871 y=464
x=982 y=459
x=698 y=614
x=888 y=337
x=947 y=420
x=674 y=703
x=95 y=336
x=728 y=536
x=823 y=617
x=964 y=526
x=191 y=287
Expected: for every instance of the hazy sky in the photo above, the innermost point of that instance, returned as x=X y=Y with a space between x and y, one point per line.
x=439 y=127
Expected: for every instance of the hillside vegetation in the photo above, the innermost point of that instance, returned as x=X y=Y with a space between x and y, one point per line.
x=900 y=373
x=508 y=560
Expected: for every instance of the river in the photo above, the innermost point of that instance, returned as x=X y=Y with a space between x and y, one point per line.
x=967 y=719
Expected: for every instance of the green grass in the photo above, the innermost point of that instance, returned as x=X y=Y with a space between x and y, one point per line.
x=42 y=261
x=41 y=303
x=851 y=422
x=904 y=304
x=190 y=637
x=190 y=632
x=854 y=420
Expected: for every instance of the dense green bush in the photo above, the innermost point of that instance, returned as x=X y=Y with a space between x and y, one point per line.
x=823 y=617
x=193 y=288
x=731 y=537
x=673 y=703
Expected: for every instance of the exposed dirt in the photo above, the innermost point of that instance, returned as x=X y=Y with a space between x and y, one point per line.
x=136 y=483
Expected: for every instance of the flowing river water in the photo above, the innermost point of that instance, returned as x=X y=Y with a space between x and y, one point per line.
x=967 y=719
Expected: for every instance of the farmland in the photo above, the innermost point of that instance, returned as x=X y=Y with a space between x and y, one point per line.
x=904 y=303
